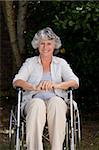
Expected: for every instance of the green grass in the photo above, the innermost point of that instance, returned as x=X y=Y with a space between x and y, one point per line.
x=84 y=145
x=92 y=145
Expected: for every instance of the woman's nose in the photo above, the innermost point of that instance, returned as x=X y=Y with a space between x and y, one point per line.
x=45 y=46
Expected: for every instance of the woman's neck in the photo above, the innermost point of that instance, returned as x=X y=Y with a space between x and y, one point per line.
x=46 y=60
x=46 y=63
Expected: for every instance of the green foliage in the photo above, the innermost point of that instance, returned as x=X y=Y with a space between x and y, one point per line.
x=77 y=24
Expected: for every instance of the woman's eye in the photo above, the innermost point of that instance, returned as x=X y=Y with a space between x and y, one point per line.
x=49 y=43
x=41 y=43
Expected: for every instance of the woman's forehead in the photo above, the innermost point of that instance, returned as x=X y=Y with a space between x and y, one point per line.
x=46 y=40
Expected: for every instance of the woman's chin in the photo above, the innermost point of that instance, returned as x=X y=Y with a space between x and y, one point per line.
x=46 y=54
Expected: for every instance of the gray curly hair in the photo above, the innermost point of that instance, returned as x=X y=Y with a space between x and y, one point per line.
x=46 y=33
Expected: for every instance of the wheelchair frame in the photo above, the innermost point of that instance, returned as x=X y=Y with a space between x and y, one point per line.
x=72 y=137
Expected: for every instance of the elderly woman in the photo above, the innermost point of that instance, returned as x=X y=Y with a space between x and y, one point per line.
x=45 y=79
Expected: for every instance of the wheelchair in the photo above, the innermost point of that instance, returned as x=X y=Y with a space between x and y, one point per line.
x=17 y=133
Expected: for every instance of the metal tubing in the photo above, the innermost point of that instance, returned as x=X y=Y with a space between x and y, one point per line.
x=71 y=114
x=18 y=120
x=79 y=135
x=10 y=128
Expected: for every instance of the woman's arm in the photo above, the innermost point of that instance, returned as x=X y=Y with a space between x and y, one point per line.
x=48 y=85
x=67 y=84
x=23 y=84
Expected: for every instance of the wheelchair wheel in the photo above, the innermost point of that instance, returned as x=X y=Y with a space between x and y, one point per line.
x=66 y=144
x=76 y=132
x=12 y=130
x=13 y=133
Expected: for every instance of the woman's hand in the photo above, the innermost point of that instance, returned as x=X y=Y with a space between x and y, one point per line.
x=49 y=85
x=45 y=85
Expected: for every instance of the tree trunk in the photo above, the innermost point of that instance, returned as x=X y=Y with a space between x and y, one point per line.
x=10 y=18
x=21 y=24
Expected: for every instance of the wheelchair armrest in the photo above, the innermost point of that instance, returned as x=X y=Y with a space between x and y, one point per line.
x=19 y=89
x=70 y=88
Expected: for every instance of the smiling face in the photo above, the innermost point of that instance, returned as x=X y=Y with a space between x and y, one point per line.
x=46 y=48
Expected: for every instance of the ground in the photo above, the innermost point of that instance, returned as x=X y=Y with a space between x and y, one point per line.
x=89 y=129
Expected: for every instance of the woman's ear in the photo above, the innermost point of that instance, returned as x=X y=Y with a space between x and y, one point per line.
x=56 y=52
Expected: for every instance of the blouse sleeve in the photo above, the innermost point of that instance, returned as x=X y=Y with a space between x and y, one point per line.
x=67 y=73
x=24 y=71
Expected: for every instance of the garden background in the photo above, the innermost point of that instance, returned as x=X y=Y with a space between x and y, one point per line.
x=77 y=24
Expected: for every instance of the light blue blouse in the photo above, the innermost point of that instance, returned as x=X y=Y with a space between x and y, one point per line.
x=45 y=95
